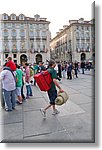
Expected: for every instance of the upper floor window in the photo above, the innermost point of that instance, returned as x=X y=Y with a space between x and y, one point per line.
x=14 y=46
x=31 y=33
x=77 y=34
x=21 y=17
x=14 y=33
x=87 y=35
x=43 y=33
x=5 y=25
x=13 y=25
x=6 y=33
x=13 y=17
x=31 y=26
x=22 y=33
x=5 y=17
x=82 y=35
x=22 y=26
x=77 y=27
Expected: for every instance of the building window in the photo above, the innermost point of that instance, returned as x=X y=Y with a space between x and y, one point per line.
x=22 y=33
x=13 y=33
x=14 y=47
x=22 y=26
x=88 y=28
x=77 y=35
x=13 y=17
x=21 y=17
x=13 y=25
x=5 y=33
x=77 y=27
x=31 y=34
x=6 y=55
x=31 y=26
x=43 y=34
x=22 y=45
x=5 y=17
x=5 y=25
x=87 y=35
x=5 y=46
x=14 y=55
x=82 y=35
x=15 y=61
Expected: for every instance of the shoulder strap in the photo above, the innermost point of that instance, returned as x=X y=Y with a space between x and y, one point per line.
x=7 y=68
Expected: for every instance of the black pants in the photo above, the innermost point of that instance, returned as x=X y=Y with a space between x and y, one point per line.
x=69 y=76
x=23 y=96
x=76 y=72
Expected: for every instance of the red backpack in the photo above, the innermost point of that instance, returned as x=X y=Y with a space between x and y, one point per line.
x=43 y=80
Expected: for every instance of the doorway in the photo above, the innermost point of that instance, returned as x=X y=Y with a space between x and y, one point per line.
x=83 y=57
x=38 y=58
x=23 y=59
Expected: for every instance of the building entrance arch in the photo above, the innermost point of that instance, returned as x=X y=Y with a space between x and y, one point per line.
x=83 y=57
x=38 y=58
x=23 y=58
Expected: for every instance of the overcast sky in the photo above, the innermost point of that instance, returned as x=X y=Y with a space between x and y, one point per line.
x=58 y=12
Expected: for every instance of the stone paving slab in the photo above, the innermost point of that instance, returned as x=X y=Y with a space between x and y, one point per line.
x=34 y=124
x=69 y=108
x=80 y=98
x=77 y=128
x=59 y=137
x=34 y=104
x=88 y=107
x=9 y=117
x=12 y=132
x=80 y=134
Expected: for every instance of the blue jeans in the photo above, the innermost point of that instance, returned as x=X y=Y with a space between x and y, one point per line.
x=29 y=90
x=9 y=98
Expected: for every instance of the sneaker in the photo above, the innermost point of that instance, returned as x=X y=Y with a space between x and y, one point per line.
x=6 y=109
x=43 y=112
x=27 y=97
x=18 y=102
x=55 y=112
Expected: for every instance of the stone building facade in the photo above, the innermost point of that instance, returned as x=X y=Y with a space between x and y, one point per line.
x=23 y=38
x=75 y=41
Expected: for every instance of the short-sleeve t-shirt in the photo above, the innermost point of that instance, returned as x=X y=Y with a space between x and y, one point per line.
x=54 y=76
x=19 y=74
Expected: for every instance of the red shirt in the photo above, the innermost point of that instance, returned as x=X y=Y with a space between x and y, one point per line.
x=11 y=64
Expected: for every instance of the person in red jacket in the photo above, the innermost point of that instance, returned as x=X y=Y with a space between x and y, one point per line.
x=11 y=64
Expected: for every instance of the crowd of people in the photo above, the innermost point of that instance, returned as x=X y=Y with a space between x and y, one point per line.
x=15 y=76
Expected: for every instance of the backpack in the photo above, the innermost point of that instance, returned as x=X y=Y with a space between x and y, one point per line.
x=44 y=80
x=31 y=72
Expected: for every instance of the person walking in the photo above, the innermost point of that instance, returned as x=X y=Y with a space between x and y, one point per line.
x=69 y=70
x=52 y=92
x=9 y=88
x=83 y=66
x=76 y=68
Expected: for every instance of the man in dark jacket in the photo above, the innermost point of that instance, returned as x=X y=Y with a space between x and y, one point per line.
x=83 y=66
x=69 y=70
